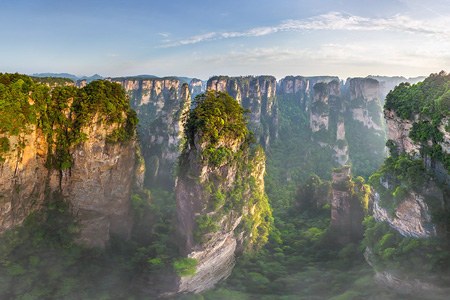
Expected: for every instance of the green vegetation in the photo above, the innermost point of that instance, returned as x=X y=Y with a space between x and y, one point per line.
x=62 y=114
x=185 y=266
x=404 y=174
x=53 y=81
x=205 y=224
x=390 y=250
x=216 y=131
x=366 y=147
x=429 y=101
x=429 y=98
x=41 y=260
x=217 y=118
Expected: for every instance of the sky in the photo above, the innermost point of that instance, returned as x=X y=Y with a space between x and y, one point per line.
x=203 y=38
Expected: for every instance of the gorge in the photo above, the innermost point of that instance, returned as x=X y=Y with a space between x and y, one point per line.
x=267 y=183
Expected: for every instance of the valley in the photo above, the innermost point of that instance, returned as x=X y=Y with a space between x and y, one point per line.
x=231 y=188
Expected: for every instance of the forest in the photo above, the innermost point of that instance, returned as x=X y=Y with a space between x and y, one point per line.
x=297 y=253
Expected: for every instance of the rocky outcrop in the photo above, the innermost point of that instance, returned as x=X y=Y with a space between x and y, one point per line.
x=325 y=97
x=364 y=100
x=388 y=83
x=257 y=94
x=445 y=144
x=412 y=193
x=221 y=206
x=398 y=131
x=76 y=146
x=302 y=88
x=22 y=178
x=412 y=217
x=160 y=104
x=196 y=87
x=347 y=206
x=97 y=186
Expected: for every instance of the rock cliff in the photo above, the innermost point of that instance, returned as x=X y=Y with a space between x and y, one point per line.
x=89 y=161
x=302 y=88
x=349 y=203
x=258 y=95
x=411 y=203
x=222 y=209
x=160 y=104
x=196 y=87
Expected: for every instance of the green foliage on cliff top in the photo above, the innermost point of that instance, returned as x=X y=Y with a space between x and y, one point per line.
x=217 y=117
x=53 y=81
x=217 y=127
x=430 y=98
x=62 y=113
x=426 y=103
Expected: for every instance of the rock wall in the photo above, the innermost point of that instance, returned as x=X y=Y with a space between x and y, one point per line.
x=412 y=218
x=160 y=104
x=23 y=179
x=257 y=94
x=302 y=87
x=196 y=86
x=398 y=131
x=419 y=212
x=347 y=211
x=97 y=187
x=222 y=208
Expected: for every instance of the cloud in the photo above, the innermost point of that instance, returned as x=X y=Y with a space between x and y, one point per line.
x=342 y=59
x=329 y=21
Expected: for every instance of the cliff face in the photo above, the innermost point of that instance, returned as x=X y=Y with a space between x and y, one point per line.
x=196 y=87
x=398 y=131
x=98 y=186
x=160 y=105
x=364 y=124
x=346 y=118
x=348 y=204
x=412 y=217
x=302 y=87
x=78 y=152
x=221 y=205
x=365 y=102
x=22 y=180
x=412 y=191
x=258 y=94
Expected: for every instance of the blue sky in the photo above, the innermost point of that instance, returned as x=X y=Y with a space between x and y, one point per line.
x=247 y=37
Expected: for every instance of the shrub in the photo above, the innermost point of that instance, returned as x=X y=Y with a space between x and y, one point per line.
x=185 y=266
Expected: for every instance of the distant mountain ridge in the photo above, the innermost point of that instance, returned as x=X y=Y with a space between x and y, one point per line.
x=69 y=76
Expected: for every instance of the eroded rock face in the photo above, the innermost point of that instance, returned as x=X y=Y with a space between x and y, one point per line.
x=365 y=102
x=347 y=212
x=196 y=86
x=398 y=131
x=215 y=251
x=302 y=87
x=222 y=209
x=160 y=104
x=258 y=94
x=97 y=187
x=412 y=217
x=22 y=179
